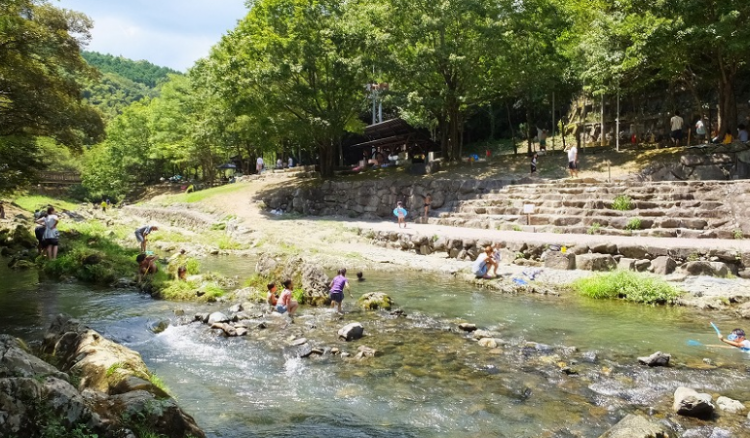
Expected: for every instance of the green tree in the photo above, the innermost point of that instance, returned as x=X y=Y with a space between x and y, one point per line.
x=298 y=62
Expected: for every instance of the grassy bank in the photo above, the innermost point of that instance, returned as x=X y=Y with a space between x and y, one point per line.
x=626 y=285
x=32 y=203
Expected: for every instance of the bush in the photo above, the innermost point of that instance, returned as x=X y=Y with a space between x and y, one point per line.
x=630 y=286
x=299 y=295
x=633 y=224
x=621 y=203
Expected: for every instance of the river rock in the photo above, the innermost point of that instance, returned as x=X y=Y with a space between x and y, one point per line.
x=729 y=405
x=714 y=269
x=237 y=308
x=487 y=343
x=559 y=260
x=636 y=426
x=479 y=334
x=217 y=317
x=626 y=264
x=364 y=351
x=375 y=301
x=657 y=359
x=202 y=317
x=467 y=327
x=351 y=332
x=595 y=262
x=299 y=341
x=663 y=265
x=691 y=403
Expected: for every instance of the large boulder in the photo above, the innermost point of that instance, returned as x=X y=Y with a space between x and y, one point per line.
x=663 y=265
x=713 y=269
x=691 y=403
x=657 y=359
x=635 y=426
x=23 y=237
x=559 y=260
x=351 y=332
x=217 y=318
x=595 y=262
x=375 y=301
x=119 y=375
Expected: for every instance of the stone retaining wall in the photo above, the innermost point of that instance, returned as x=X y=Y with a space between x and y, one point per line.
x=377 y=199
x=602 y=257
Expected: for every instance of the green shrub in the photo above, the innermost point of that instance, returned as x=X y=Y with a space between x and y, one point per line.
x=299 y=295
x=633 y=224
x=621 y=203
x=517 y=228
x=594 y=228
x=738 y=234
x=226 y=243
x=630 y=286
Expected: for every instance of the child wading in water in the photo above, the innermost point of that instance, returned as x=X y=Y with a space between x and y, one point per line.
x=400 y=212
x=337 y=289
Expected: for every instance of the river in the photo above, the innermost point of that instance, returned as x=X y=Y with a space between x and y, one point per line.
x=430 y=380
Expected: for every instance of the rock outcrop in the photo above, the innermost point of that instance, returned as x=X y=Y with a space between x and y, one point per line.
x=657 y=359
x=375 y=301
x=302 y=271
x=115 y=381
x=351 y=332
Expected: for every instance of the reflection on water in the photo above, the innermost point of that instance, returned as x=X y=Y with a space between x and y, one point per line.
x=430 y=381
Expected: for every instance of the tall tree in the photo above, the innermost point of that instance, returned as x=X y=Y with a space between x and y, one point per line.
x=301 y=62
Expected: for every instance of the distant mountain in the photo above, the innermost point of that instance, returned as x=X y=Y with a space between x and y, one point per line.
x=123 y=81
x=141 y=72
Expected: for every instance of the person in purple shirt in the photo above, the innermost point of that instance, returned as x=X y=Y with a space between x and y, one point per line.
x=337 y=289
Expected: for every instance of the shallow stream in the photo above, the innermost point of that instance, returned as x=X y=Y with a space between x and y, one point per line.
x=431 y=379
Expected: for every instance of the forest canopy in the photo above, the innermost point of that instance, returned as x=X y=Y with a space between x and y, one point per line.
x=291 y=78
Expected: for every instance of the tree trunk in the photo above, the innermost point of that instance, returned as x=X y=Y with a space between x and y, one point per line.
x=512 y=131
x=444 y=147
x=327 y=152
x=727 y=105
x=528 y=131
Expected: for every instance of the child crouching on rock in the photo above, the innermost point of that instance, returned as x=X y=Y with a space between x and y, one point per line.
x=146 y=265
x=285 y=302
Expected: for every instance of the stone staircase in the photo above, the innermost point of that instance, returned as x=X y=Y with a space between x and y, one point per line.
x=693 y=209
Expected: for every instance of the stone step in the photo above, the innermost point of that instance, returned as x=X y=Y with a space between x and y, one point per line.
x=714 y=213
x=620 y=223
x=635 y=196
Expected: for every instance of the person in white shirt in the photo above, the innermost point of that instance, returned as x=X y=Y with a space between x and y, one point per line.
x=573 y=161
x=700 y=130
x=291 y=162
x=676 y=124
x=259 y=165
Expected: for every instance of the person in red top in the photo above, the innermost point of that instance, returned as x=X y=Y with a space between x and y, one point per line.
x=285 y=302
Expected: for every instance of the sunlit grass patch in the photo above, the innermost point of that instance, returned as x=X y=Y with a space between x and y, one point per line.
x=630 y=286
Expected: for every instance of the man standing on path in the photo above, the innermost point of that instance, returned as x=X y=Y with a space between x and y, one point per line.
x=259 y=165
x=676 y=123
x=573 y=161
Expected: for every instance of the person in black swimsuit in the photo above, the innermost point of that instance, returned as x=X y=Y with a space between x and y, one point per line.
x=427 y=203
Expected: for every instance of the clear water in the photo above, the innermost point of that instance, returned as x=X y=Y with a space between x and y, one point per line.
x=430 y=380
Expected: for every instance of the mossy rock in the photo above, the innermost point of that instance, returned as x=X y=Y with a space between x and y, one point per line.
x=375 y=301
x=22 y=237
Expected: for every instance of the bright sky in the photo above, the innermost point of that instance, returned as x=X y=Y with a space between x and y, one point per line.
x=170 y=33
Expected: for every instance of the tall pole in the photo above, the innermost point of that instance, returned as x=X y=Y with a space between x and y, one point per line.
x=380 y=111
x=617 y=120
x=374 y=104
